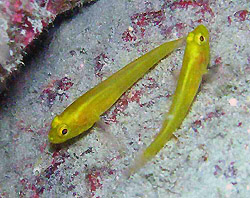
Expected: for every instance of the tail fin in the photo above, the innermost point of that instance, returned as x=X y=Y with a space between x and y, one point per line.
x=165 y=134
x=139 y=162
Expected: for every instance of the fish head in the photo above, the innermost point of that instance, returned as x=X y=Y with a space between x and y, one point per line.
x=199 y=36
x=59 y=131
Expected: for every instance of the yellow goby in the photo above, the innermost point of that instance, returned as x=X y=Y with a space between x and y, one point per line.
x=194 y=66
x=86 y=110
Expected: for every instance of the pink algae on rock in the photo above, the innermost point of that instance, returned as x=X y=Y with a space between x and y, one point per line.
x=24 y=21
x=57 y=88
x=242 y=15
x=139 y=23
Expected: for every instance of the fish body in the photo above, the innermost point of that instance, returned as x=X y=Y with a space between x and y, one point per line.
x=86 y=110
x=194 y=66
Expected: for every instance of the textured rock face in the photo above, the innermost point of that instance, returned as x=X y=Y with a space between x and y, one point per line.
x=4 y=47
x=20 y=23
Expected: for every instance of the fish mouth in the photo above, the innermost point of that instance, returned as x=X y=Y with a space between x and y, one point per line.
x=53 y=139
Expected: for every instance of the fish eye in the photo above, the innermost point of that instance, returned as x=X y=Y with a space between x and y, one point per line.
x=202 y=38
x=64 y=131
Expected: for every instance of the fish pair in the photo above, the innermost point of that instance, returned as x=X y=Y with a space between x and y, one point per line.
x=87 y=109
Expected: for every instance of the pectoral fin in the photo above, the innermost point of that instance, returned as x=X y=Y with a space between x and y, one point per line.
x=109 y=138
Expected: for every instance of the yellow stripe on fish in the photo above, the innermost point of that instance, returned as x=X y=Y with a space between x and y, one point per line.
x=87 y=109
x=194 y=66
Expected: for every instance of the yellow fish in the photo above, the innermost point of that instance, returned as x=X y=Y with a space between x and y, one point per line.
x=87 y=109
x=194 y=66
